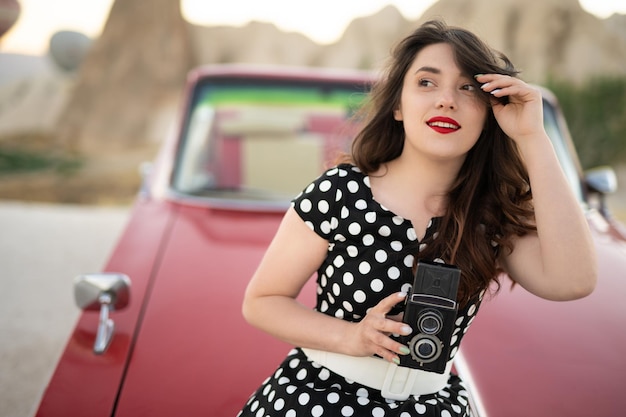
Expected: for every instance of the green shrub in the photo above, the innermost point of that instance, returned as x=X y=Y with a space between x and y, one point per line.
x=14 y=161
x=596 y=116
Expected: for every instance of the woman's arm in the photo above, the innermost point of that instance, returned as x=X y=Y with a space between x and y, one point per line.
x=270 y=304
x=558 y=262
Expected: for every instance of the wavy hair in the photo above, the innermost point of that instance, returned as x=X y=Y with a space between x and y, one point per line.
x=490 y=202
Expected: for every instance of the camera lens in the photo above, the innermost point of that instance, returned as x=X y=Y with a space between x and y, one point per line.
x=425 y=348
x=430 y=322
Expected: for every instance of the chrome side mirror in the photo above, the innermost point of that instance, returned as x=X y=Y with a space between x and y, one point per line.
x=102 y=292
x=602 y=181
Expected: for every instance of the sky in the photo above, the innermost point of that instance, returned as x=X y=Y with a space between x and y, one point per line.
x=322 y=20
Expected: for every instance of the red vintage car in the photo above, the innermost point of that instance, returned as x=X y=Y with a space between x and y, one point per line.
x=162 y=334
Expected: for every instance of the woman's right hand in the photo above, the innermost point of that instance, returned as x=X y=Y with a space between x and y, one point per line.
x=270 y=303
x=370 y=336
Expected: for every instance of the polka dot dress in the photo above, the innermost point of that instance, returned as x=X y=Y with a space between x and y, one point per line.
x=371 y=252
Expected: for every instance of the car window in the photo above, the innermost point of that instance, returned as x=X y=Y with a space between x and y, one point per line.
x=562 y=148
x=263 y=139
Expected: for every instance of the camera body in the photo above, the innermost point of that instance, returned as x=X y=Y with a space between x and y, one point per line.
x=431 y=310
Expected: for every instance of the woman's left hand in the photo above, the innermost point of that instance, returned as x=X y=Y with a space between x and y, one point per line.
x=522 y=116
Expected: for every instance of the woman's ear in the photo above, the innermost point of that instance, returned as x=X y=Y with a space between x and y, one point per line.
x=397 y=115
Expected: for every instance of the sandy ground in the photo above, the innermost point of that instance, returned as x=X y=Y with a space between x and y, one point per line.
x=42 y=248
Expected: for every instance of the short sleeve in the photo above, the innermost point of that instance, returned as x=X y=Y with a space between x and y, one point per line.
x=319 y=203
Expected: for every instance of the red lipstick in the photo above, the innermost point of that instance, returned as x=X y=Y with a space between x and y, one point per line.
x=443 y=125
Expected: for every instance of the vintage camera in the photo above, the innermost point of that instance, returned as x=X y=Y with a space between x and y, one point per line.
x=431 y=310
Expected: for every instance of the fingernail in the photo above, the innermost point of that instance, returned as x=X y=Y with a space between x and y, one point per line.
x=401 y=294
x=495 y=91
x=405 y=350
x=406 y=329
x=396 y=360
x=485 y=85
x=478 y=75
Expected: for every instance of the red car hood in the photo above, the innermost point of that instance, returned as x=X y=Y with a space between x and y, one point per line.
x=194 y=353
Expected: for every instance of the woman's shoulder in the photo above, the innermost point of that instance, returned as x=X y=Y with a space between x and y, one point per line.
x=346 y=171
x=340 y=181
x=345 y=177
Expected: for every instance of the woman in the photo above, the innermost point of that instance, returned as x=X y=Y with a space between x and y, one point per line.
x=453 y=164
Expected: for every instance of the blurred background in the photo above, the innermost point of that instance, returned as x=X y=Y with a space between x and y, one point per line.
x=90 y=89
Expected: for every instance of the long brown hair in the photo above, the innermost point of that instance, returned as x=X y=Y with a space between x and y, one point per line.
x=490 y=201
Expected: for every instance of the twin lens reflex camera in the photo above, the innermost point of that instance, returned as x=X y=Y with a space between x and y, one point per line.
x=431 y=310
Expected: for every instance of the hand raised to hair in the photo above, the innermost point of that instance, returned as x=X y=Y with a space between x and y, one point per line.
x=522 y=116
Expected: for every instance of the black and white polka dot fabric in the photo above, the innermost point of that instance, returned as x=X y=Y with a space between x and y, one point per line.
x=370 y=256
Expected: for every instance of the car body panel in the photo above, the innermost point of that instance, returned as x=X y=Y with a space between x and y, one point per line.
x=200 y=277
x=182 y=347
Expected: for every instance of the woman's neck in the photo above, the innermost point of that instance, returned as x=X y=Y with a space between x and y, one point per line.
x=414 y=189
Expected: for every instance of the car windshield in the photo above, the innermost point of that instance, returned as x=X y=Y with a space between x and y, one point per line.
x=260 y=140
x=264 y=139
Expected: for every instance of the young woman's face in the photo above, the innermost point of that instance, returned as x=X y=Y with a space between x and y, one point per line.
x=440 y=107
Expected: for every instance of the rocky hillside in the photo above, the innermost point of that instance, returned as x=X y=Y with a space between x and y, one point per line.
x=545 y=38
x=134 y=71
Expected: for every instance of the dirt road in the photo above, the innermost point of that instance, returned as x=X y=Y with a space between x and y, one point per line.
x=42 y=248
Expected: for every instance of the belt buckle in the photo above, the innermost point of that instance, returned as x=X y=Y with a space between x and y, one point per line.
x=399 y=382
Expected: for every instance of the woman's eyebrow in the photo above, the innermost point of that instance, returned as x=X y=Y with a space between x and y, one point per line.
x=429 y=69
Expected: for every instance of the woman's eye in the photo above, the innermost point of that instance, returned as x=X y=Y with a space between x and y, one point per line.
x=425 y=83
x=468 y=87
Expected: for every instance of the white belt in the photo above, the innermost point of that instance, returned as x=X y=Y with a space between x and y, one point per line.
x=393 y=381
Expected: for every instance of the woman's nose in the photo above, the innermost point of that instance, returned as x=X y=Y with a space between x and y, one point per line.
x=446 y=100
